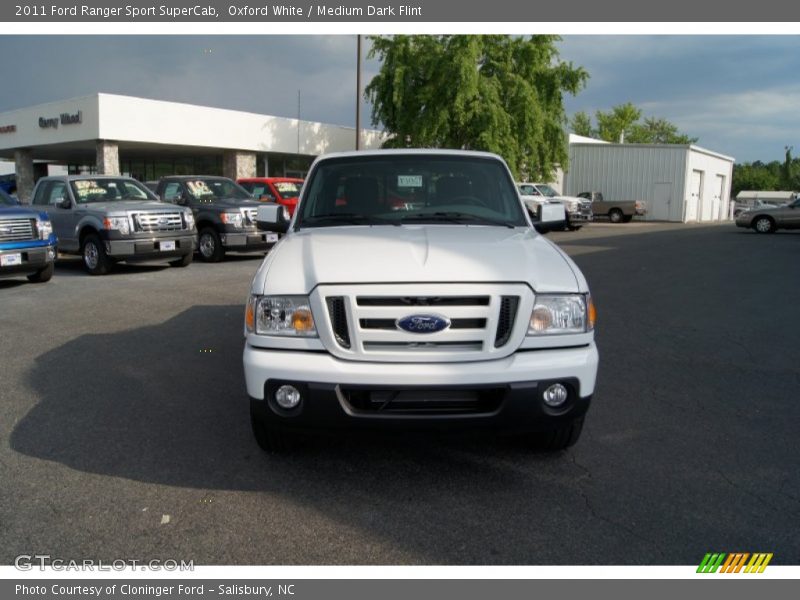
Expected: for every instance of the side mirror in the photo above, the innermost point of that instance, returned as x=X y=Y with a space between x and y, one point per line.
x=551 y=213
x=64 y=203
x=272 y=217
x=267 y=198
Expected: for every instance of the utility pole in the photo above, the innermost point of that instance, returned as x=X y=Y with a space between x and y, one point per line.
x=298 y=121
x=358 y=92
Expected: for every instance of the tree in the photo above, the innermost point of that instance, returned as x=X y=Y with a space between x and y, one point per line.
x=496 y=93
x=787 y=170
x=581 y=124
x=611 y=126
x=624 y=119
x=657 y=131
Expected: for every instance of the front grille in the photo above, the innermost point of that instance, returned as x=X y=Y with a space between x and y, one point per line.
x=391 y=324
x=364 y=325
x=160 y=221
x=505 y=323
x=338 y=316
x=250 y=215
x=17 y=230
x=423 y=300
x=423 y=401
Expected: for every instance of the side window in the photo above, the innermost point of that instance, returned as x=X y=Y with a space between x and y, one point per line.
x=57 y=192
x=526 y=190
x=42 y=193
x=261 y=191
x=172 y=191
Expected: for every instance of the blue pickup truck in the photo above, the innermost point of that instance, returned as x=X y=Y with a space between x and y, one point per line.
x=27 y=242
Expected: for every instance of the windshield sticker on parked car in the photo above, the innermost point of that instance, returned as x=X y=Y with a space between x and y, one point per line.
x=414 y=181
x=287 y=188
x=199 y=188
x=88 y=188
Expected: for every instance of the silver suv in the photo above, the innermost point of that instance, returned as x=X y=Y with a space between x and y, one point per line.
x=110 y=218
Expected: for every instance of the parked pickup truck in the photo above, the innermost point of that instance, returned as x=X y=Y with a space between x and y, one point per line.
x=283 y=190
x=106 y=219
x=579 y=212
x=27 y=242
x=225 y=214
x=617 y=211
x=453 y=312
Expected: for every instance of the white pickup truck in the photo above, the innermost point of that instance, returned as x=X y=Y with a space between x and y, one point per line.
x=451 y=312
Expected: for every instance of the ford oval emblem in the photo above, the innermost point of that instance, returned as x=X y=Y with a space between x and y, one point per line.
x=423 y=323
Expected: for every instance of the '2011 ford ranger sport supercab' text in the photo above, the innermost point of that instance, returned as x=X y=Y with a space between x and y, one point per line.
x=452 y=312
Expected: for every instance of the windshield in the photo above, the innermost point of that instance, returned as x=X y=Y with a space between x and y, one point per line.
x=400 y=189
x=288 y=189
x=209 y=188
x=109 y=190
x=546 y=190
x=6 y=200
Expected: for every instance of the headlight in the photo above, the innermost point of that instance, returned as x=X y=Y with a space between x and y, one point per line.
x=232 y=218
x=188 y=216
x=573 y=206
x=280 y=315
x=119 y=223
x=552 y=315
x=45 y=228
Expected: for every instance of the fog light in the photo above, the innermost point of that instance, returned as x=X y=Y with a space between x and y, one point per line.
x=555 y=395
x=287 y=396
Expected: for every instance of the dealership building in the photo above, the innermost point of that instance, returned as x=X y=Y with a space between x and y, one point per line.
x=147 y=139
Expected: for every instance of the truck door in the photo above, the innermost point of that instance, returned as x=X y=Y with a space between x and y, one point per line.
x=63 y=219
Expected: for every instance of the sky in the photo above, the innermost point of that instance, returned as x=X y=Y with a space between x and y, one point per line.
x=738 y=94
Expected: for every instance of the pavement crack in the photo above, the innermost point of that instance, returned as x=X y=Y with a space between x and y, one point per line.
x=605 y=519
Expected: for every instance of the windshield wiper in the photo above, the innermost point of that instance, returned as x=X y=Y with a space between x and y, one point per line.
x=458 y=217
x=347 y=218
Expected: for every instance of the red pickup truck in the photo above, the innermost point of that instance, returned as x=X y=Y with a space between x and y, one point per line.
x=283 y=190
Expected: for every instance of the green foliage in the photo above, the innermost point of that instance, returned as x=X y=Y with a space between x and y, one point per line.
x=581 y=124
x=625 y=118
x=755 y=176
x=612 y=124
x=496 y=93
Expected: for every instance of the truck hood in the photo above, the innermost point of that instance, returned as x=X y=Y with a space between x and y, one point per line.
x=415 y=253
x=19 y=212
x=120 y=206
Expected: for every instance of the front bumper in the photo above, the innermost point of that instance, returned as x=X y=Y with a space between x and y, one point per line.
x=500 y=394
x=33 y=259
x=744 y=221
x=249 y=240
x=150 y=248
x=579 y=217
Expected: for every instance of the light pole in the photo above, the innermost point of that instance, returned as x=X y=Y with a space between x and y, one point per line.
x=358 y=92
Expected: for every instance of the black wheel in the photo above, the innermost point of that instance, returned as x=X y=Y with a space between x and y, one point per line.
x=42 y=275
x=615 y=215
x=210 y=246
x=558 y=439
x=764 y=225
x=95 y=259
x=183 y=261
x=574 y=227
x=271 y=439
x=627 y=218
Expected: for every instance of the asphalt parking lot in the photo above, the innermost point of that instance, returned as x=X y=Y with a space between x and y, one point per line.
x=124 y=429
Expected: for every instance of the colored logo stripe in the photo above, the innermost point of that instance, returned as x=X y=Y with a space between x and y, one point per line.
x=734 y=562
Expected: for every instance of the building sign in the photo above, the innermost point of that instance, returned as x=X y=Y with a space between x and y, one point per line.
x=8 y=128
x=63 y=119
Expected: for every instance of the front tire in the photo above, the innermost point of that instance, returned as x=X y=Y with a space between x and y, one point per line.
x=210 y=245
x=615 y=215
x=558 y=439
x=183 y=261
x=271 y=439
x=43 y=275
x=95 y=259
x=764 y=225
